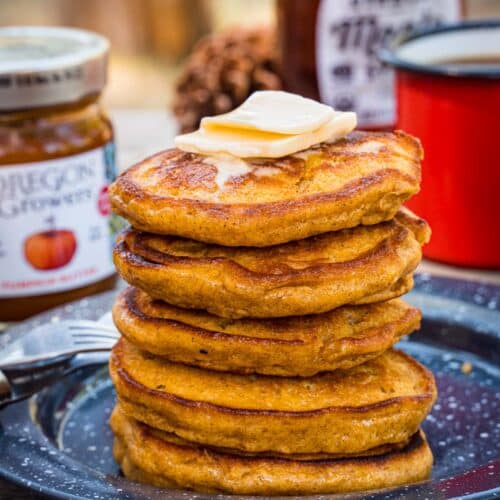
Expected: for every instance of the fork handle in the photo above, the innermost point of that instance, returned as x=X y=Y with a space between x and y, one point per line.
x=32 y=364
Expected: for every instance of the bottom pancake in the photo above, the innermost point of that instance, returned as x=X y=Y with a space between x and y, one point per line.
x=163 y=460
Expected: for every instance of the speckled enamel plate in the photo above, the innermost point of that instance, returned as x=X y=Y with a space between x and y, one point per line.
x=58 y=443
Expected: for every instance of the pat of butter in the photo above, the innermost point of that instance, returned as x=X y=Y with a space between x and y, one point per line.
x=254 y=143
x=269 y=124
x=276 y=112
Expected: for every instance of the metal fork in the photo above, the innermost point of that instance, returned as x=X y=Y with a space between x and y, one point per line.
x=52 y=342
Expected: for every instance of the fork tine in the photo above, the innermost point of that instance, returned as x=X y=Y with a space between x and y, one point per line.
x=94 y=343
x=93 y=338
x=50 y=342
x=91 y=334
x=99 y=327
x=76 y=331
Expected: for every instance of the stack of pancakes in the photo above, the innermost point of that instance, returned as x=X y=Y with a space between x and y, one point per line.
x=256 y=352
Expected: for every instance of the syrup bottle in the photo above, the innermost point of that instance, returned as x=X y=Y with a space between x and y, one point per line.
x=328 y=49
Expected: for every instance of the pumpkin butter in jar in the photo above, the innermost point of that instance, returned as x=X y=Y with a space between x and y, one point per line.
x=56 y=162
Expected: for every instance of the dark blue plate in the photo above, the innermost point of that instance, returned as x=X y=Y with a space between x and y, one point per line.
x=59 y=443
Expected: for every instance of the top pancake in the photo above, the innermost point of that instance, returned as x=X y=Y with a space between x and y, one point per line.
x=361 y=179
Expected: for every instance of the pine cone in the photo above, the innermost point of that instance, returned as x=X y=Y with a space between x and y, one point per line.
x=222 y=71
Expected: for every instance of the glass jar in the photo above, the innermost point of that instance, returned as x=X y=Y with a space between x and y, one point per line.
x=329 y=50
x=56 y=162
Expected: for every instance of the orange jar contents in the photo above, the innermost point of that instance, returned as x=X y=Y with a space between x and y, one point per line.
x=56 y=162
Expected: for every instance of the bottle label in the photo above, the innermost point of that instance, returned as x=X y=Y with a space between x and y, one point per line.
x=56 y=229
x=348 y=35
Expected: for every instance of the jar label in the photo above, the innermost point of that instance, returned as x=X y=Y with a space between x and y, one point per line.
x=56 y=232
x=348 y=35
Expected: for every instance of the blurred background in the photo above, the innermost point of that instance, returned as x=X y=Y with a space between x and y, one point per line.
x=150 y=39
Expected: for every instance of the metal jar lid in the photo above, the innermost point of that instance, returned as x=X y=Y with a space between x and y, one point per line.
x=44 y=66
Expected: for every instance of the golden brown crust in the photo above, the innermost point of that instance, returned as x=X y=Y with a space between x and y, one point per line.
x=146 y=457
x=361 y=179
x=304 y=346
x=118 y=414
x=381 y=401
x=415 y=224
x=363 y=264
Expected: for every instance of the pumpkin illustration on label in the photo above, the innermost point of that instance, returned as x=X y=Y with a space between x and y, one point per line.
x=51 y=249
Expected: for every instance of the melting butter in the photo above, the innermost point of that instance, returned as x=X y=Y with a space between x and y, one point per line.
x=227 y=167
x=255 y=143
x=369 y=147
x=274 y=111
x=268 y=124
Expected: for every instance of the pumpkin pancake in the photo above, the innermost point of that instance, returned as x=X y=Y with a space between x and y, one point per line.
x=361 y=179
x=303 y=345
x=359 y=265
x=168 y=436
x=350 y=411
x=153 y=457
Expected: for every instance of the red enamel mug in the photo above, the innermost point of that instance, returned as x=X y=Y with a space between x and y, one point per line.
x=448 y=95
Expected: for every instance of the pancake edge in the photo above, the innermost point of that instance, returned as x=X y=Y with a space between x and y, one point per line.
x=270 y=355
x=390 y=421
x=212 y=471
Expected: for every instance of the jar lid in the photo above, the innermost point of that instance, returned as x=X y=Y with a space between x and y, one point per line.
x=44 y=66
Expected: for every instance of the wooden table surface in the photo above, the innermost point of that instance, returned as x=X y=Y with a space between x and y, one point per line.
x=140 y=133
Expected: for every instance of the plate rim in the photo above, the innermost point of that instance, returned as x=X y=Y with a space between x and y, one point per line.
x=445 y=284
